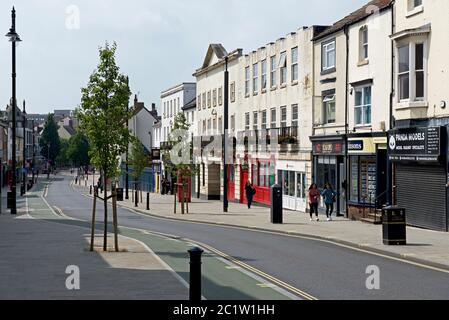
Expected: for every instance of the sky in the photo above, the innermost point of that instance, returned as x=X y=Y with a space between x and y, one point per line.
x=160 y=43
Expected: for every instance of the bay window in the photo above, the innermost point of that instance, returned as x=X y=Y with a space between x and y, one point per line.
x=411 y=71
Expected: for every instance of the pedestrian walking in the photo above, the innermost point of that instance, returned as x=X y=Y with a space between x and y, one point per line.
x=250 y=192
x=330 y=196
x=314 y=198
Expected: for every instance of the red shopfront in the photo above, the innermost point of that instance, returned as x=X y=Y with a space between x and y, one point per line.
x=262 y=177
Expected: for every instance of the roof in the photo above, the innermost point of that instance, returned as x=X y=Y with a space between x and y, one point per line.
x=70 y=130
x=360 y=14
x=190 y=105
x=218 y=50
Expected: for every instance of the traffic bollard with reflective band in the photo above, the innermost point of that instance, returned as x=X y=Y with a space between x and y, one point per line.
x=195 y=274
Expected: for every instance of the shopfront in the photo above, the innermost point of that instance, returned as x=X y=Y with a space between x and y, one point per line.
x=291 y=175
x=329 y=167
x=367 y=173
x=420 y=175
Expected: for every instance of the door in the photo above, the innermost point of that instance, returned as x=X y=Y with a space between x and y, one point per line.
x=231 y=183
x=244 y=176
x=301 y=185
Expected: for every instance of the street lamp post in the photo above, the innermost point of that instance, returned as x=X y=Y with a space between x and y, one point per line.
x=13 y=38
x=48 y=160
x=225 y=126
x=34 y=153
x=127 y=149
x=24 y=177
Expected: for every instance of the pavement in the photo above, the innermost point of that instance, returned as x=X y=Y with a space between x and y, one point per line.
x=423 y=246
x=41 y=242
x=37 y=247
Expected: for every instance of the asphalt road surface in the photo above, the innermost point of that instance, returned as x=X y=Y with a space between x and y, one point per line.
x=323 y=270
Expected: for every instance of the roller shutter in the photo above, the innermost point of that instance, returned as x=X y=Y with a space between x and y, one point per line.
x=421 y=190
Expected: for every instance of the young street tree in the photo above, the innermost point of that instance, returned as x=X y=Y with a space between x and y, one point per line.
x=49 y=142
x=102 y=115
x=177 y=160
x=138 y=160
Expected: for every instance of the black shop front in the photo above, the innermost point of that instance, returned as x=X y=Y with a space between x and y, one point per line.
x=329 y=166
x=420 y=175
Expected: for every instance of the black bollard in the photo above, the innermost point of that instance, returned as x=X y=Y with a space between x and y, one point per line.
x=136 y=199
x=148 y=201
x=195 y=274
x=90 y=190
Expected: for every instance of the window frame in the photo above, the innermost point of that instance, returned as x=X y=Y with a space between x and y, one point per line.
x=255 y=120
x=255 y=78
x=284 y=117
x=273 y=73
x=273 y=124
x=263 y=76
x=412 y=44
x=247 y=80
x=283 y=74
x=363 y=106
x=220 y=96
x=214 y=98
x=263 y=122
x=325 y=66
x=295 y=120
x=247 y=121
x=327 y=99
x=232 y=91
x=295 y=64
x=364 y=43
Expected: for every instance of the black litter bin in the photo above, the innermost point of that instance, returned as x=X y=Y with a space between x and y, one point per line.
x=119 y=194
x=276 y=204
x=9 y=200
x=394 y=226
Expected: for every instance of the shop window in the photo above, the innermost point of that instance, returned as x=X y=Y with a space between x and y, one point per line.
x=354 y=187
x=291 y=178
x=285 y=184
x=363 y=180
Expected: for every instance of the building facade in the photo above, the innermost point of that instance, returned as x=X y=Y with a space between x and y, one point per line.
x=209 y=119
x=275 y=101
x=369 y=85
x=418 y=143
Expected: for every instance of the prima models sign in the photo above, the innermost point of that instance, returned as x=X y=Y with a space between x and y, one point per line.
x=415 y=144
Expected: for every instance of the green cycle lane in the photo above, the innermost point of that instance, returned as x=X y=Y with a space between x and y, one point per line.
x=221 y=280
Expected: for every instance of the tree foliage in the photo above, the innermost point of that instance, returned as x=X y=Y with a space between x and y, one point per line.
x=179 y=137
x=138 y=158
x=50 y=138
x=62 y=159
x=104 y=111
x=78 y=150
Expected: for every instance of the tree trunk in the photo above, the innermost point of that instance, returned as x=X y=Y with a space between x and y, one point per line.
x=92 y=235
x=114 y=217
x=105 y=201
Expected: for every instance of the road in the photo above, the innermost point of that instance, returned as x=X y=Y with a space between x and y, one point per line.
x=321 y=269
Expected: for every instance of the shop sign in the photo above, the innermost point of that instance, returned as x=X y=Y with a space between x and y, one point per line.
x=361 y=146
x=415 y=144
x=324 y=148
x=155 y=154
